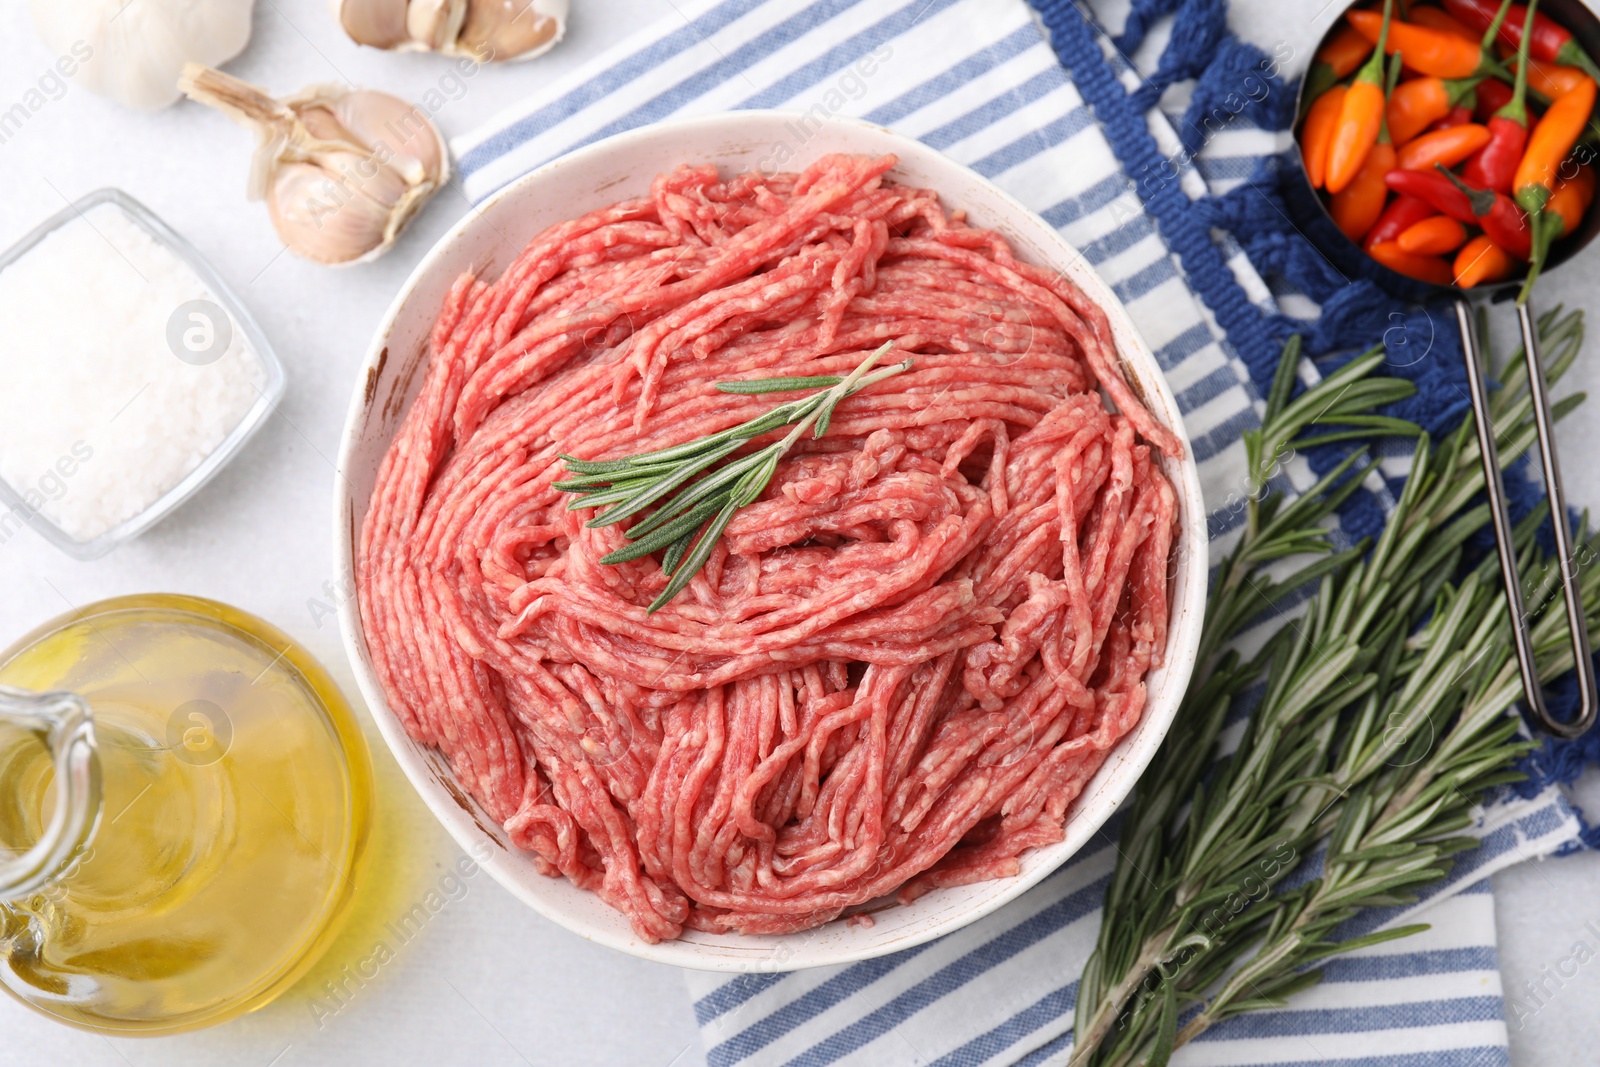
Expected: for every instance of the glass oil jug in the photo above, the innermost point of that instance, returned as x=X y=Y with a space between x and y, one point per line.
x=183 y=813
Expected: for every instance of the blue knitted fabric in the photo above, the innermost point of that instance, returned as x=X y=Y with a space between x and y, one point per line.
x=1420 y=336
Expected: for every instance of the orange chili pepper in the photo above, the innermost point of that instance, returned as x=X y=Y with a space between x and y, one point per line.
x=1431 y=269
x=1481 y=260
x=1419 y=103
x=1427 y=51
x=1569 y=201
x=1448 y=146
x=1562 y=212
x=1344 y=51
x=1398 y=217
x=1551 y=80
x=1360 y=115
x=1317 y=133
x=1557 y=131
x=1432 y=237
x=1438 y=19
x=1356 y=208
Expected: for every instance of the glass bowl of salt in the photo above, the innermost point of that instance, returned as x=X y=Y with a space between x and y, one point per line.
x=130 y=374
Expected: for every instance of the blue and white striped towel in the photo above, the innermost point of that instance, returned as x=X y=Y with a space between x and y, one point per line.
x=977 y=80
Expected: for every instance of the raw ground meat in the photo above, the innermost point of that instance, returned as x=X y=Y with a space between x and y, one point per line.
x=899 y=667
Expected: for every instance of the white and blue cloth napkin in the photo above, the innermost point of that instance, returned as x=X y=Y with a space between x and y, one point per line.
x=978 y=80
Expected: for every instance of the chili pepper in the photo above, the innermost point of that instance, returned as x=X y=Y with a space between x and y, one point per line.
x=1550 y=80
x=1435 y=189
x=1492 y=96
x=1430 y=269
x=1402 y=213
x=1499 y=217
x=1438 y=19
x=1444 y=147
x=1569 y=201
x=1548 y=83
x=1420 y=102
x=1548 y=40
x=1317 y=132
x=1552 y=138
x=1561 y=215
x=1459 y=115
x=1360 y=116
x=1481 y=260
x=1496 y=165
x=1432 y=237
x=1356 y=208
x=1444 y=55
x=1340 y=54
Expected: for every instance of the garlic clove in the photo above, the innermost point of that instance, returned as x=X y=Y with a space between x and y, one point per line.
x=379 y=23
x=312 y=221
x=434 y=24
x=511 y=29
x=484 y=30
x=342 y=170
x=397 y=130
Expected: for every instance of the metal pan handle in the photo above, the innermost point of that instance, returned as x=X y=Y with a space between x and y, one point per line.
x=1577 y=625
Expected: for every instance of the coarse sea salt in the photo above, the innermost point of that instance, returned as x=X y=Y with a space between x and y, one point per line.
x=109 y=395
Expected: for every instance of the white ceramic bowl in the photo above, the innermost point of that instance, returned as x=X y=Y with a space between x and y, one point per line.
x=622 y=166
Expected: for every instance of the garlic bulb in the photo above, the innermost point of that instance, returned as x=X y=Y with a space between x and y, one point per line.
x=482 y=30
x=342 y=170
x=138 y=49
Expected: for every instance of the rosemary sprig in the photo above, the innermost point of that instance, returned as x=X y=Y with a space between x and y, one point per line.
x=627 y=486
x=1382 y=720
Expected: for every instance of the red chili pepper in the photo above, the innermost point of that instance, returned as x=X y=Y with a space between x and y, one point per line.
x=1434 y=188
x=1495 y=165
x=1460 y=115
x=1498 y=215
x=1548 y=41
x=1492 y=96
x=1402 y=213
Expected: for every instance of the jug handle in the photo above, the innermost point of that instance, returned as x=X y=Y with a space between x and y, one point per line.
x=65 y=723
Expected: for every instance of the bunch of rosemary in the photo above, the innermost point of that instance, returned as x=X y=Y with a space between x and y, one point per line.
x=1382 y=719
x=625 y=487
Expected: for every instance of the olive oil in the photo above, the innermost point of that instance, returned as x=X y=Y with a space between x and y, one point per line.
x=232 y=825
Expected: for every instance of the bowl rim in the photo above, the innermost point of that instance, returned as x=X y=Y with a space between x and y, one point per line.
x=1129 y=758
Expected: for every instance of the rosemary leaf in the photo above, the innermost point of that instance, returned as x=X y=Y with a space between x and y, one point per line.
x=1384 y=718
x=694 y=493
x=696 y=558
x=779 y=385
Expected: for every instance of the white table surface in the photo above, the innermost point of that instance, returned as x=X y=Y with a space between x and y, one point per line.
x=486 y=981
